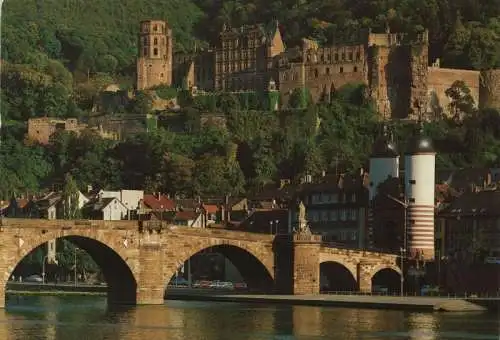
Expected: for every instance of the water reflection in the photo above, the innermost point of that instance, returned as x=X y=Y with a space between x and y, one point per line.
x=88 y=318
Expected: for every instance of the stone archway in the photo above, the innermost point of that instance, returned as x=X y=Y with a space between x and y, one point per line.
x=386 y=279
x=120 y=273
x=254 y=262
x=335 y=276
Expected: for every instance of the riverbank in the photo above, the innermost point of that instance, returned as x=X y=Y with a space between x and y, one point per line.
x=25 y=288
x=428 y=304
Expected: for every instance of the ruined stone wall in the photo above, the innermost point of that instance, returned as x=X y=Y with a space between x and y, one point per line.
x=489 y=89
x=440 y=79
x=419 y=56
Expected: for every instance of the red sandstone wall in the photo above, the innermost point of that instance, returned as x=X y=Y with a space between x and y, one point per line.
x=440 y=79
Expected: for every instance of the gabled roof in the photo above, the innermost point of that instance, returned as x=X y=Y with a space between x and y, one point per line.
x=155 y=203
x=102 y=203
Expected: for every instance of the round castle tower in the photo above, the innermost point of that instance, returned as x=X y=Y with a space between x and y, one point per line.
x=384 y=162
x=489 y=89
x=420 y=163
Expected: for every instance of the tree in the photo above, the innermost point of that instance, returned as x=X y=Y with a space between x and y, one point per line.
x=462 y=102
x=70 y=198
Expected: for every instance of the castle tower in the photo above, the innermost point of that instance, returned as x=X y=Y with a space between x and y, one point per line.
x=489 y=89
x=154 y=64
x=419 y=60
x=420 y=164
x=384 y=164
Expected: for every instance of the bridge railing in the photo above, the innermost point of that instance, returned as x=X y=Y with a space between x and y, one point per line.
x=465 y=295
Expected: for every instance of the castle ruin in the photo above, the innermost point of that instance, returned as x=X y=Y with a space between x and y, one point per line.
x=394 y=66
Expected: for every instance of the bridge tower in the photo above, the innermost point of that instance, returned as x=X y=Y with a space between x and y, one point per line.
x=384 y=164
x=420 y=163
x=154 y=63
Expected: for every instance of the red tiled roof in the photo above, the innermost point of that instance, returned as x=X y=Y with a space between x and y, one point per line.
x=210 y=208
x=152 y=202
x=186 y=215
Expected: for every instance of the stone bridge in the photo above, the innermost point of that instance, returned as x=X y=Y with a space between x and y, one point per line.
x=138 y=258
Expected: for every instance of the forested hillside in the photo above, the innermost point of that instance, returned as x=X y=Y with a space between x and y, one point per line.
x=58 y=54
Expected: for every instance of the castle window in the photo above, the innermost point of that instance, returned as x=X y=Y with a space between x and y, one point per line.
x=355 y=69
x=322 y=58
x=343 y=55
x=412 y=181
x=341 y=69
x=156 y=41
x=145 y=40
x=145 y=52
x=155 y=28
x=329 y=57
x=327 y=70
x=161 y=75
x=350 y=56
x=336 y=57
x=155 y=51
x=358 y=55
x=316 y=73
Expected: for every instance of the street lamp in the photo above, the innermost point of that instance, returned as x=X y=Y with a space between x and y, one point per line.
x=43 y=268
x=277 y=227
x=75 y=272
x=270 y=227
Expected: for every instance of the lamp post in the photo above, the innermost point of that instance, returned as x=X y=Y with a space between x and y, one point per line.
x=270 y=227
x=43 y=268
x=75 y=272
x=277 y=227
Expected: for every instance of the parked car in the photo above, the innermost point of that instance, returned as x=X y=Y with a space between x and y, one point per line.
x=179 y=281
x=240 y=285
x=222 y=285
x=34 y=278
x=202 y=284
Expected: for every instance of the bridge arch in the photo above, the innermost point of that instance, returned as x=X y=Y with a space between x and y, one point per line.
x=255 y=262
x=337 y=276
x=109 y=253
x=387 y=276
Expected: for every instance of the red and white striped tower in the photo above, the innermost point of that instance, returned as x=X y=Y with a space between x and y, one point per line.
x=384 y=164
x=420 y=164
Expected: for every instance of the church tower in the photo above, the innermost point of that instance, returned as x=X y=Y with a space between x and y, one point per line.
x=154 y=63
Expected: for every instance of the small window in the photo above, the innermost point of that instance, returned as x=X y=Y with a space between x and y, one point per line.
x=316 y=73
x=412 y=200
x=355 y=69
x=155 y=28
x=155 y=51
x=145 y=52
x=358 y=55
x=327 y=70
x=161 y=75
x=156 y=41
x=343 y=56
x=336 y=57
x=350 y=55
x=341 y=69
x=412 y=181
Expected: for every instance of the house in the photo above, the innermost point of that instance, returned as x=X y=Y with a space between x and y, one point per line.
x=18 y=208
x=151 y=204
x=469 y=250
x=192 y=219
x=50 y=206
x=336 y=208
x=109 y=208
x=210 y=211
x=130 y=198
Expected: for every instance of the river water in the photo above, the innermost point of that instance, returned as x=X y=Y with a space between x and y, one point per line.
x=88 y=317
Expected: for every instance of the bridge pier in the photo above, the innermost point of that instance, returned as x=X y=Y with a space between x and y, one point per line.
x=150 y=283
x=306 y=269
x=365 y=277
